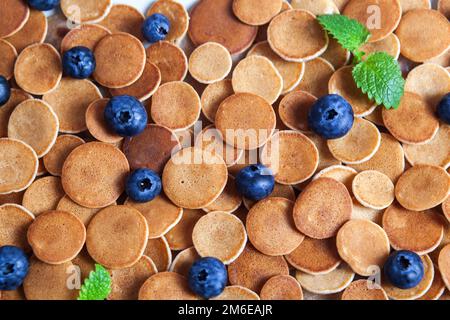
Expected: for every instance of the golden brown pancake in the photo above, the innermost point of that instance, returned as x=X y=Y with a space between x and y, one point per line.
x=124 y=18
x=14 y=223
x=444 y=7
x=444 y=265
x=390 y=45
x=170 y=60
x=180 y=236
x=256 y=12
x=364 y=290
x=166 y=286
x=336 y=54
x=339 y=173
x=64 y=145
x=408 y=5
x=83 y=213
x=236 y=293
x=177 y=15
x=43 y=195
x=9 y=55
x=86 y=35
x=294 y=108
x=228 y=201
x=184 y=260
x=332 y=282
x=17 y=96
x=15 y=14
x=282 y=287
x=212 y=97
x=279 y=191
x=437 y=288
x=86 y=11
x=96 y=124
x=158 y=250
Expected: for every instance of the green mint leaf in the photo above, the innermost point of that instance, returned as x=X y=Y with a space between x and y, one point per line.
x=380 y=77
x=97 y=286
x=348 y=32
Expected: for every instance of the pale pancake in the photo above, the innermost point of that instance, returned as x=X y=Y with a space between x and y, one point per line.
x=180 y=236
x=326 y=159
x=373 y=189
x=256 y=12
x=212 y=97
x=408 y=5
x=333 y=282
x=228 y=201
x=183 y=261
x=85 y=10
x=316 y=7
x=361 y=212
x=213 y=55
x=390 y=45
x=437 y=288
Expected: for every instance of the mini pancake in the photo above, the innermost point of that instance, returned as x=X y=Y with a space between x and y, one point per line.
x=94 y=174
x=18 y=167
x=158 y=250
x=361 y=212
x=11 y=198
x=416 y=292
x=364 y=290
x=86 y=35
x=359 y=145
x=271 y=228
x=120 y=59
x=282 y=288
x=194 y=178
x=443 y=7
x=236 y=293
x=446 y=208
x=175 y=105
x=125 y=283
x=292 y=156
x=212 y=97
x=262 y=30
x=322 y=208
x=56 y=236
x=363 y=245
x=326 y=159
x=166 y=286
x=389 y=14
x=294 y=108
x=413 y=122
x=17 y=96
x=436 y=152
x=213 y=55
x=43 y=195
x=228 y=201
x=317 y=75
x=373 y=189
x=257 y=74
x=13 y=295
x=340 y=4
x=210 y=139
x=296 y=35
x=256 y=12
x=96 y=124
x=38 y=69
x=180 y=236
x=343 y=84
x=418 y=231
x=177 y=15
x=245 y=120
x=252 y=269
x=83 y=213
x=221 y=235
x=108 y=237
x=57 y=29
x=408 y=5
x=145 y=86
x=390 y=45
x=48 y=282
x=214 y=21
x=422 y=187
x=86 y=11
x=444 y=265
x=336 y=54
x=279 y=191
x=376 y=117
x=316 y=7
x=291 y=72
x=152 y=148
x=437 y=288
x=34 y=122
x=9 y=55
x=429 y=81
x=443 y=60
x=389 y=159
x=314 y=256
x=170 y=60
x=14 y=223
x=161 y=214
x=64 y=145
x=333 y=282
x=427 y=27
x=123 y=18
x=34 y=31
x=184 y=260
x=15 y=14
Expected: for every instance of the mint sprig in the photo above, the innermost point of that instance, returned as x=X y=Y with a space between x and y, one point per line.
x=379 y=76
x=97 y=286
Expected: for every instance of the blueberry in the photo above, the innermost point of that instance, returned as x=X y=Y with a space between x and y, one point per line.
x=5 y=90
x=156 y=27
x=331 y=117
x=443 y=109
x=43 y=5
x=13 y=267
x=126 y=116
x=404 y=269
x=143 y=185
x=78 y=62
x=255 y=182
x=208 y=277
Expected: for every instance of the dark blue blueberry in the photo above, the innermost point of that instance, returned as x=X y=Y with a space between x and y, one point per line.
x=208 y=277
x=143 y=185
x=13 y=267
x=443 y=109
x=5 y=90
x=126 y=116
x=43 y=5
x=155 y=28
x=404 y=269
x=78 y=63
x=255 y=182
x=331 y=117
